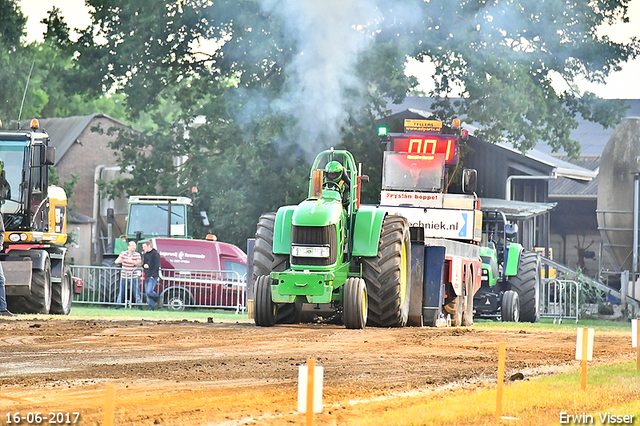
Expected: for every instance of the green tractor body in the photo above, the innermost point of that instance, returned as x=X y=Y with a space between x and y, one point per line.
x=510 y=275
x=316 y=253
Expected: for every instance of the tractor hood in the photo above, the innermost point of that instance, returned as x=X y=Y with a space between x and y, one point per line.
x=319 y=212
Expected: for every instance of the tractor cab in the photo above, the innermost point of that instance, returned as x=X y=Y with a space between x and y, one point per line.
x=498 y=249
x=334 y=177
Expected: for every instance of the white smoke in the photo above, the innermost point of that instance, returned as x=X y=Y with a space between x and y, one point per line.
x=330 y=34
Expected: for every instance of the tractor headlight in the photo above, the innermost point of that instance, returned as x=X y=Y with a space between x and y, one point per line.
x=14 y=238
x=310 y=251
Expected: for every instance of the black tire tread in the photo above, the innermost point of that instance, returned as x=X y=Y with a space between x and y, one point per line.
x=354 y=316
x=39 y=302
x=265 y=261
x=526 y=284
x=62 y=293
x=109 y=281
x=264 y=315
x=510 y=306
x=382 y=275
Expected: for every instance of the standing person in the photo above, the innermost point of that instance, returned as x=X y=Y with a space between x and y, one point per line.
x=151 y=265
x=130 y=260
x=4 y=312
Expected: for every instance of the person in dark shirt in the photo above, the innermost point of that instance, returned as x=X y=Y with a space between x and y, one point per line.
x=5 y=188
x=151 y=265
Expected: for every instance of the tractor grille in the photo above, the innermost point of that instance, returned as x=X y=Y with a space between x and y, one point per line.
x=315 y=235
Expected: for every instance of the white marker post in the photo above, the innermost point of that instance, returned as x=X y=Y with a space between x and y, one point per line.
x=635 y=337
x=310 y=389
x=584 y=351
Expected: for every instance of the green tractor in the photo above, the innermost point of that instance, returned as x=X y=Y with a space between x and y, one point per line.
x=329 y=253
x=510 y=275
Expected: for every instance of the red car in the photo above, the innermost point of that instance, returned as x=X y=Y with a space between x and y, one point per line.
x=201 y=273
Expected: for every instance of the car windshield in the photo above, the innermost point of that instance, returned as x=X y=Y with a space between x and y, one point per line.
x=151 y=220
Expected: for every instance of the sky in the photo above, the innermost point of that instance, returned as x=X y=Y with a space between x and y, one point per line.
x=624 y=84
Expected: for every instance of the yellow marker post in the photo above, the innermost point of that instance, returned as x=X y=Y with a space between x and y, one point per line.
x=311 y=363
x=585 y=348
x=501 y=360
x=109 y=405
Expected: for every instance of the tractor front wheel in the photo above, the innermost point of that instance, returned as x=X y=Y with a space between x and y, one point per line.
x=265 y=309
x=510 y=306
x=354 y=303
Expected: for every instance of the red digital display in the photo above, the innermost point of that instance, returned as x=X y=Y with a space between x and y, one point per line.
x=432 y=144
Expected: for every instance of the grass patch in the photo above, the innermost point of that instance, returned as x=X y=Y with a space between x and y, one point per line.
x=547 y=324
x=109 y=313
x=611 y=389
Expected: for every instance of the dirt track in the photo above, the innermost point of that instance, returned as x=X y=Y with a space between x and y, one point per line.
x=189 y=373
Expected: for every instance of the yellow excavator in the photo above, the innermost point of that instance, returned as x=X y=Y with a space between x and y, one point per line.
x=37 y=276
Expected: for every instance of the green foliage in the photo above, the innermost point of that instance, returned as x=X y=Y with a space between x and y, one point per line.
x=505 y=56
x=239 y=67
x=12 y=23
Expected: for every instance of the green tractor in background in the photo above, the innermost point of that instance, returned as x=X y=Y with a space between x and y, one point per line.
x=510 y=275
x=331 y=254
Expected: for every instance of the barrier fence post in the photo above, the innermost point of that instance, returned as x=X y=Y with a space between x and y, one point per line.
x=501 y=361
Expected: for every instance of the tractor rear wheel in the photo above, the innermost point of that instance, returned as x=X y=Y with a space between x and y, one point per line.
x=510 y=306
x=354 y=303
x=265 y=309
x=387 y=275
x=527 y=285
x=109 y=280
x=62 y=293
x=265 y=261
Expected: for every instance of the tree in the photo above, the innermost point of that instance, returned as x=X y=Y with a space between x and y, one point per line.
x=37 y=77
x=12 y=23
x=279 y=80
x=506 y=56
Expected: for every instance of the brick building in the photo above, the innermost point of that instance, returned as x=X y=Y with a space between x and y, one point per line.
x=82 y=149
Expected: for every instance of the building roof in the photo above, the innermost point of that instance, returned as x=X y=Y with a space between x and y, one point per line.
x=563 y=168
x=568 y=188
x=516 y=210
x=79 y=218
x=65 y=131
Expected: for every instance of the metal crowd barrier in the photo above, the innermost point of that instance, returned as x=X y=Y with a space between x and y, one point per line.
x=559 y=299
x=179 y=289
